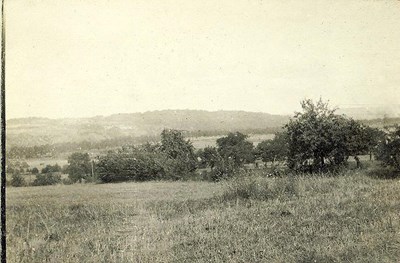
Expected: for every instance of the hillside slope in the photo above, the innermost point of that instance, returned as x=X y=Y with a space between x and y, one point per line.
x=39 y=131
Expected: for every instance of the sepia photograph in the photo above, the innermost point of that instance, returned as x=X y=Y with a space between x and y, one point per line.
x=200 y=131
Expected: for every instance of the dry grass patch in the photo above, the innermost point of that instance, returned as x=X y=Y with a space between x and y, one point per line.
x=349 y=218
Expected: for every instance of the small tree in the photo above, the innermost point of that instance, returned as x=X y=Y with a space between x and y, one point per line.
x=358 y=140
x=79 y=166
x=47 y=179
x=180 y=151
x=235 y=147
x=17 y=180
x=24 y=166
x=273 y=150
x=51 y=169
x=35 y=170
x=209 y=157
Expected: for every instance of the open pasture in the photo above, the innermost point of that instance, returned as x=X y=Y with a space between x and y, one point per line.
x=348 y=218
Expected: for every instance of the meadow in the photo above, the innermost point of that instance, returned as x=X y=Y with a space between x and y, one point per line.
x=351 y=217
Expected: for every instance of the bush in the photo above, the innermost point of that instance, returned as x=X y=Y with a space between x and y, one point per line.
x=131 y=163
x=66 y=181
x=224 y=169
x=388 y=150
x=51 y=169
x=47 y=179
x=17 y=180
x=79 y=166
x=173 y=159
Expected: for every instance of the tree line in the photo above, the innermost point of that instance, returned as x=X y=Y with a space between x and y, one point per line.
x=314 y=140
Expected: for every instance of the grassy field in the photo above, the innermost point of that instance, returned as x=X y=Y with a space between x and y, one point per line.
x=349 y=218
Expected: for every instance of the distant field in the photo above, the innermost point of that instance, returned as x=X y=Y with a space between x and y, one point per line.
x=202 y=142
x=350 y=218
x=198 y=143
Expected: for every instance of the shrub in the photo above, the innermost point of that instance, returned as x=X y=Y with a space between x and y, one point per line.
x=383 y=172
x=79 y=166
x=132 y=163
x=173 y=159
x=47 y=179
x=388 y=150
x=224 y=169
x=17 y=180
x=66 y=181
x=51 y=169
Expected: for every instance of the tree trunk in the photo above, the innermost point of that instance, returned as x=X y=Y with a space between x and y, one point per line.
x=357 y=161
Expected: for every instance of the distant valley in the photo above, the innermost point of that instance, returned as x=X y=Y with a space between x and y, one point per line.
x=41 y=131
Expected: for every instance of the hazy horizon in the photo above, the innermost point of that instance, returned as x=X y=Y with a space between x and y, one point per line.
x=376 y=112
x=73 y=59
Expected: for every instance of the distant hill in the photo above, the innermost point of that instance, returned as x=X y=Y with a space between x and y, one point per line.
x=127 y=126
x=40 y=131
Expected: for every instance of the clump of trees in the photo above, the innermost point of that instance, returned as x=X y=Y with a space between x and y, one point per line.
x=51 y=169
x=231 y=153
x=173 y=158
x=50 y=175
x=314 y=140
x=47 y=179
x=274 y=151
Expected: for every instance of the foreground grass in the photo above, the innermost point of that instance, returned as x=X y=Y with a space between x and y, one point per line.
x=350 y=218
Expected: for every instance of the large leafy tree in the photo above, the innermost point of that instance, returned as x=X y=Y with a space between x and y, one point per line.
x=310 y=135
x=235 y=147
x=319 y=139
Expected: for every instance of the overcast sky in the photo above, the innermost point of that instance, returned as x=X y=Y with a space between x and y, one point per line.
x=74 y=58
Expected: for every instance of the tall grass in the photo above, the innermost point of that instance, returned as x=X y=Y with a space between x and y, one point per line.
x=346 y=218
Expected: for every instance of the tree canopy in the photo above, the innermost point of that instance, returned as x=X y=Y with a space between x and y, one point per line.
x=79 y=166
x=319 y=139
x=235 y=147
